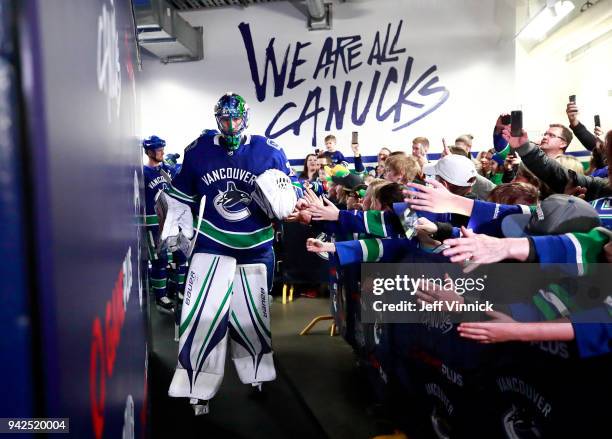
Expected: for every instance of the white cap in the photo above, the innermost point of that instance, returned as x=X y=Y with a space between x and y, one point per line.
x=455 y=169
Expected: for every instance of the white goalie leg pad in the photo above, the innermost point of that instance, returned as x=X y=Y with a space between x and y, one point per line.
x=249 y=320
x=203 y=328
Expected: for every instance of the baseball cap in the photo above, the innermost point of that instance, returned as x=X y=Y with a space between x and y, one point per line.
x=453 y=168
x=555 y=215
x=348 y=180
x=359 y=190
x=497 y=158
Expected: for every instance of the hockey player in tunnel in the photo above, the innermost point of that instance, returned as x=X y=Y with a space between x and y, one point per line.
x=156 y=177
x=236 y=184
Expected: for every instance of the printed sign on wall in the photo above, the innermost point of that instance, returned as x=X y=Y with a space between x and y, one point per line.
x=391 y=70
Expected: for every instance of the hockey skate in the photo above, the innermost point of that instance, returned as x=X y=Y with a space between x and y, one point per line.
x=165 y=305
x=199 y=406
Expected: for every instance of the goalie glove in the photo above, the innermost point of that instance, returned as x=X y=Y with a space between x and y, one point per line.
x=275 y=194
x=176 y=224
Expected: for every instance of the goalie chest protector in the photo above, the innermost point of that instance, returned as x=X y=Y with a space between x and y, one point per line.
x=232 y=219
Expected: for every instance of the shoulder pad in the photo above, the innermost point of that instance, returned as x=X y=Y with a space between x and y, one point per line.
x=205 y=138
x=261 y=140
x=192 y=144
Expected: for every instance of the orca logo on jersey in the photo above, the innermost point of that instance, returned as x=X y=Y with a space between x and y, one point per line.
x=231 y=204
x=519 y=423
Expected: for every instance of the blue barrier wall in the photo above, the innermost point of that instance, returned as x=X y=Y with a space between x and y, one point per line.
x=79 y=61
x=15 y=321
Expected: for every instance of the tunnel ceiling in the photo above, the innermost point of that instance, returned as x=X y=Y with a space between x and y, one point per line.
x=193 y=5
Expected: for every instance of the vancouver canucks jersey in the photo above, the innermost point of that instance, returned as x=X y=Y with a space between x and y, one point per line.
x=232 y=220
x=154 y=182
x=603 y=206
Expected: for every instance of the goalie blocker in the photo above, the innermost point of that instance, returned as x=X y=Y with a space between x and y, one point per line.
x=275 y=194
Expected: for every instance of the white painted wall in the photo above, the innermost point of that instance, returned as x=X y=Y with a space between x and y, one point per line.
x=469 y=41
x=546 y=78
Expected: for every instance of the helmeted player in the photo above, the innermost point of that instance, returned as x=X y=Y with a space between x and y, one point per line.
x=240 y=183
x=156 y=181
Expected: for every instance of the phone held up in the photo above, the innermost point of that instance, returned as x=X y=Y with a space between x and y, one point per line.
x=597 y=121
x=572 y=99
x=355 y=138
x=516 y=123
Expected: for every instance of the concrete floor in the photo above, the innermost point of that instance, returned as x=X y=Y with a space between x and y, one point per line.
x=316 y=394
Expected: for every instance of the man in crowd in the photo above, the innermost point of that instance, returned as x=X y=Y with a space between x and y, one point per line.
x=555 y=140
x=420 y=147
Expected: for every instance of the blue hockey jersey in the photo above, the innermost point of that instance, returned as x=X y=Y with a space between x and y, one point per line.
x=337 y=158
x=232 y=220
x=154 y=182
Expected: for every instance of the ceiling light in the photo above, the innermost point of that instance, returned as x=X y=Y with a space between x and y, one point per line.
x=548 y=17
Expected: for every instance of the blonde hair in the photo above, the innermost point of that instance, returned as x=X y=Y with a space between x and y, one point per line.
x=570 y=162
x=375 y=186
x=330 y=137
x=422 y=140
x=406 y=166
x=465 y=138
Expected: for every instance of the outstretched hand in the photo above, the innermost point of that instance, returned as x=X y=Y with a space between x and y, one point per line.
x=437 y=199
x=435 y=293
x=317 y=246
x=476 y=248
x=514 y=142
x=299 y=216
x=598 y=131
x=499 y=125
x=445 y=148
x=572 y=113
x=311 y=198
x=325 y=212
x=499 y=329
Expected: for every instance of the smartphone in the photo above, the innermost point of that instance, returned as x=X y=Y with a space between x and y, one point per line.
x=354 y=138
x=597 y=121
x=516 y=123
x=317 y=151
x=506 y=119
x=572 y=99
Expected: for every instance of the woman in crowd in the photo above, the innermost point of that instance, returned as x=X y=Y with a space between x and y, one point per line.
x=310 y=170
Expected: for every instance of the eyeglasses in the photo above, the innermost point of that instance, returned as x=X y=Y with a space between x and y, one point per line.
x=549 y=134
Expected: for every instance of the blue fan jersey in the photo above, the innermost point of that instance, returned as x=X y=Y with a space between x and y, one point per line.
x=232 y=223
x=603 y=206
x=337 y=158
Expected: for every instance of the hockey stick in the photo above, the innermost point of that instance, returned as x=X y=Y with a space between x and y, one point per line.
x=200 y=216
x=165 y=175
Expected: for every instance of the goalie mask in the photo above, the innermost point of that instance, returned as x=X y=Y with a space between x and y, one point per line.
x=232 y=115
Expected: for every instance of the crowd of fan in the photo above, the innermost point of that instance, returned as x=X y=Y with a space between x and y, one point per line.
x=521 y=200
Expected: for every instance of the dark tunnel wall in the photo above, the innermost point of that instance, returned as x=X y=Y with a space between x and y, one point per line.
x=79 y=83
